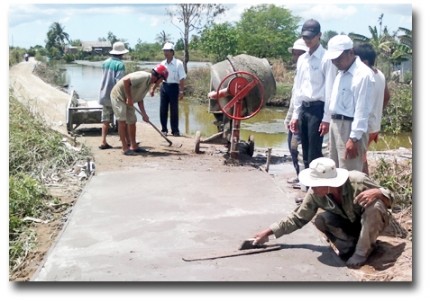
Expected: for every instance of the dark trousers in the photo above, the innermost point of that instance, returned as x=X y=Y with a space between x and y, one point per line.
x=169 y=97
x=309 y=122
x=293 y=142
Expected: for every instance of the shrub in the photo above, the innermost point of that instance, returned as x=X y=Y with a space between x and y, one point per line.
x=197 y=84
x=397 y=117
x=396 y=176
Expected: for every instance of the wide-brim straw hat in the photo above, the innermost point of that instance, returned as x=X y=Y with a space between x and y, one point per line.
x=322 y=172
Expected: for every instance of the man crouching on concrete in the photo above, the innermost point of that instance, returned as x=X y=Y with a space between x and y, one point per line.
x=355 y=210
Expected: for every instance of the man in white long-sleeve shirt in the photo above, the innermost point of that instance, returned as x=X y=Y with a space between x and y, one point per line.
x=312 y=87
x=381 y=94
x=350 y=105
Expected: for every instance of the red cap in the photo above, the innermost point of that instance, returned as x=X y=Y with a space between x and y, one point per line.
x=162 y=71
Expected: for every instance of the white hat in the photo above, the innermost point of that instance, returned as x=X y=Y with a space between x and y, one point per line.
x=168 y=46
x=322 y=172
x=299 y=45
x=118 y=48
x=337 y=45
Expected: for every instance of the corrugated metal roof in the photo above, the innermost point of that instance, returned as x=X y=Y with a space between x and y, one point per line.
x=89 y=45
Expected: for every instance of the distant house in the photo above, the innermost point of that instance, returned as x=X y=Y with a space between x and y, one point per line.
x=97 y=47
x=71 y=49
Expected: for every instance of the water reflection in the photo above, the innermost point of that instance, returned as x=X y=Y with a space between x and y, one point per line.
x=386 y=142
x=267 y=126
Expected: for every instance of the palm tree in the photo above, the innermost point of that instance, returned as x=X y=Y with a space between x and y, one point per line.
x=57 y=38
x=406 y=38
x=381 y=42
x=402 y=50
x=163 y=37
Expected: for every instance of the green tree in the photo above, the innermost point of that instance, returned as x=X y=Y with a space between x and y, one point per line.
x=381 y=41
x=179 y=45
x=220 y=40
x=403 y=49
x=76 y=42
x=327 y=35
x=392 y=49
x=193 y=17
x=145 y=51
x=112 y=38
x=406 y=37
x=267 y=30
x=57 y=38
x=163 y=37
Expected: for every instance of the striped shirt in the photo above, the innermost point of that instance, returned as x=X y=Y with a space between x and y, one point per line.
x=113 y=71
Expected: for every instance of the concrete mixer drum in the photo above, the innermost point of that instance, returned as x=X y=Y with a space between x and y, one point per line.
x=240 y=86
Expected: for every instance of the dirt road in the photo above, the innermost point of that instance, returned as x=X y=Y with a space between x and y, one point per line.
x=393 y=261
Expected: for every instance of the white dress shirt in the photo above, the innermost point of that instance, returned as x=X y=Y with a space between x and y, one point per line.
x=313 y=81
x=352 y=96
x=176 y=71
x=378 y=102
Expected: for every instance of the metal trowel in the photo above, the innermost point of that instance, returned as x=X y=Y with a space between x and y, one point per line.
x=248 y=244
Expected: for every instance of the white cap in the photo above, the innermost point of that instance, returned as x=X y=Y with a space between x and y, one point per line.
x=337 y=45
x=168 y=46
x=118 y=48
x=299 y=45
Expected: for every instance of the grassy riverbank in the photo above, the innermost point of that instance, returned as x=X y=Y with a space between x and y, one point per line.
x=38 y=161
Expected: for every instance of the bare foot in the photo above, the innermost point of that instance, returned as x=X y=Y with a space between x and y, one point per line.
x=356 y=261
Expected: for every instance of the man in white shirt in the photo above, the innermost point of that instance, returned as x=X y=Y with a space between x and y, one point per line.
x=350 y=105
x=299 y=47
x=171 y=91
x=312 y=87
x=381 y=95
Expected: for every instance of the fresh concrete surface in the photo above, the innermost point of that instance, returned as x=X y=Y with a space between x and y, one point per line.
x=137 y=225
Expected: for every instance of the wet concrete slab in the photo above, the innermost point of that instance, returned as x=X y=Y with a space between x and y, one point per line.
x=138 y=225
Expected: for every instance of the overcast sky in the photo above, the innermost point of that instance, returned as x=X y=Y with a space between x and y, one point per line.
x=29 y=23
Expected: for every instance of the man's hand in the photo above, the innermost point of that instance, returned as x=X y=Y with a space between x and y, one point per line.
x=145 y=117
x=212 y=95
x=368 y=197
x=262 y=237
x=294 y=125
x=351 y=150
x=373 y=137
x=324 y=128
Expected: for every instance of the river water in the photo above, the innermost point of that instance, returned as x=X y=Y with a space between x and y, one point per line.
x=267 y=126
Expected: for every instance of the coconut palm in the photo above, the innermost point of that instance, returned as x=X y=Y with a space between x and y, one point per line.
x=57 y=38
x=163 y=37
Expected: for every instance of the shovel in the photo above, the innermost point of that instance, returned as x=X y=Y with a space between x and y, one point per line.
x=158 y=130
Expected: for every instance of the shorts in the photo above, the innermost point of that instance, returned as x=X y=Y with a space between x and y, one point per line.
x=107 y=113
x=124 y=112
